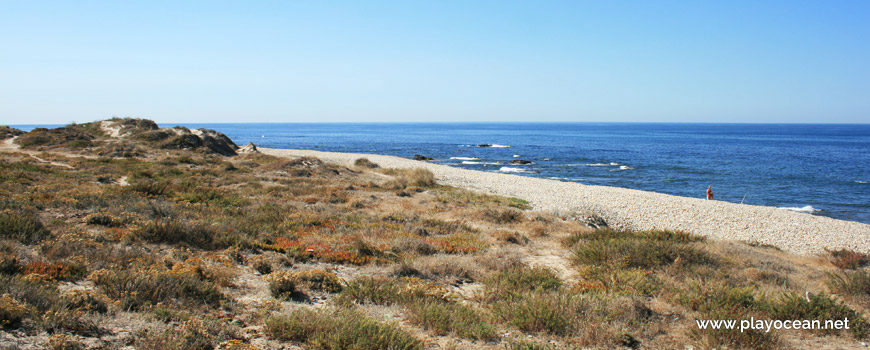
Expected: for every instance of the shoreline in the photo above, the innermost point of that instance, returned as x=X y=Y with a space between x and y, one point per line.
x=794 y=232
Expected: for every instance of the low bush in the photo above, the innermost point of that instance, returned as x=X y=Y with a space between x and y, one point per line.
x=848 y=259
x=855 y=284
x=282 y=285
x=21 y=226
x=366 y=163
x=63 y=342
x=172 y=231
x=11 y=312
x=149 y=187
x=191 y=335
x=645 y=249
x=502 y=216
x=547 y=312
x=138 y=289
x=821 y=307
x=335 y=329
x=101 y=219
x=405 y=178
x=388 y=291
x=443 y=317
x=85 y=301
x=518 y=281
x=721 y=301
x=318 y=280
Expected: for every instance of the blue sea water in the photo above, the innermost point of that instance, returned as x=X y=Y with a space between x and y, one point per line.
x=823 y=169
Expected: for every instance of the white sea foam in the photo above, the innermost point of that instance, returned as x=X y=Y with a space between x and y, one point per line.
x=473 y=162
x=516 y=155
x=597 y=164
x=622 y=168
x=464 y=158
x=507 y=169
x=614 y=163
x=862 y=182
x=806 y=209
x=499 y=146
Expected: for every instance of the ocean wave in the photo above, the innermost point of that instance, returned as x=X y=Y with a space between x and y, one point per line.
x=464 y=158
x=807 y=209
x=486 y=145
x=507 y=169
x=516 y=155
x=623 y=168
x=862 y=182
x=468 y=162
x=605 y=164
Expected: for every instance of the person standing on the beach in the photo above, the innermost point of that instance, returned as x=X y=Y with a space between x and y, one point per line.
x=710 y=192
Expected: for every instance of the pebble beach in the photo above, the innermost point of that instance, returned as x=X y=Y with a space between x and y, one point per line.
x=794 y=232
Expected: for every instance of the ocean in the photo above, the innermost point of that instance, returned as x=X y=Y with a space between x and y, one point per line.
x=818 y=169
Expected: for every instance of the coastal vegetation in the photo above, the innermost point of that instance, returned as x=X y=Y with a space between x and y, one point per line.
x=121 y=233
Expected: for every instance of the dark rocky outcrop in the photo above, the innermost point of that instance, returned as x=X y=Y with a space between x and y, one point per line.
x=421 y=157
x=520 y=162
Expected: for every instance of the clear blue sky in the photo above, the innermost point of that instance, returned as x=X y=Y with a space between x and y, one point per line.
x=316 y=61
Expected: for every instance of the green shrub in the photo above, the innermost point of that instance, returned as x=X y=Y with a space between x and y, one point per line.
x=191 y=335
x=149 y=187
x=384 y=291
x=101 y=219
x=171 y=231
x=794 y=306
x=450 y=317
x=339 y=329
x=364 y=162
x=549 y=312
x=138 y=289
x=856 y=284
x=625 y=281
x=21 y=226
x=721 y=301
x=518 y=281
x=502 y=216
x=647 y=249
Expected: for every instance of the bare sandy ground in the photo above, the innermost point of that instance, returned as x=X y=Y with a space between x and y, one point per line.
x=794 y=232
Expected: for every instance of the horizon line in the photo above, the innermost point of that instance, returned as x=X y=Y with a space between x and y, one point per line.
x=463 y=122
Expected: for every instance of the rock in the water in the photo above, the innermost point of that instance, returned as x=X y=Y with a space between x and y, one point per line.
x=421 y=157
x=484 y=145
x=520 y=162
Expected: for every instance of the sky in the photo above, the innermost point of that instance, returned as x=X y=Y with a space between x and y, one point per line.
x=435 y=61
